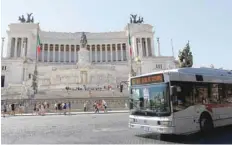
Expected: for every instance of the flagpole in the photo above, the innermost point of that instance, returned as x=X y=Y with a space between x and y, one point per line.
x=35 y=85
x=172 y=48
x=131 y=67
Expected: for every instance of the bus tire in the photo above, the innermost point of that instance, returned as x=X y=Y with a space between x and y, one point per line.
x=206 y=122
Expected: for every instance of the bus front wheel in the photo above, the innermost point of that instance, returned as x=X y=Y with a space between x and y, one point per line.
x=206 y=123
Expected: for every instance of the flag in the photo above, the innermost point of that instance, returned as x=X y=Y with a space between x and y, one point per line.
x=38 y=44
x=130 y=42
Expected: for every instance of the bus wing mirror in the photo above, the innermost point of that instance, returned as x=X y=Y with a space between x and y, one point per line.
x=121 y=88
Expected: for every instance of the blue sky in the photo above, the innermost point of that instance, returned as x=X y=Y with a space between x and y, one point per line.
x=207 y=24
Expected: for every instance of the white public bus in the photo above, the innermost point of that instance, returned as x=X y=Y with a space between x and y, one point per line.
x=181 y=101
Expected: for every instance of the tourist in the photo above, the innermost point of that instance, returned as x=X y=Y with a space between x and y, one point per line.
x=59 y=107
x=48 y=105
x=104 y=105
x=35 y=109
x=56 y=107
x=64 y=105
x=13 y=109
x=96 y=107
x=39 y=109
x=4 y=109
x=42 y=109
x=69 y=107
x=126 y=105
x=85 y=106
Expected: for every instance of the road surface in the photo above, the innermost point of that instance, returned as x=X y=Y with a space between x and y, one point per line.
x=90 y=129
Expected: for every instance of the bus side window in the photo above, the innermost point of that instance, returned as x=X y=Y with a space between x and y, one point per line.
x=201 y=94
x=215 y=93
x=185 y=96
x=228 y=94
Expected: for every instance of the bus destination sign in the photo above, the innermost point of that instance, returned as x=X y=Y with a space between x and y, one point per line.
x=157 y=78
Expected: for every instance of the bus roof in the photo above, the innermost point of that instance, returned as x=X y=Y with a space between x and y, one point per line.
x=196 y=71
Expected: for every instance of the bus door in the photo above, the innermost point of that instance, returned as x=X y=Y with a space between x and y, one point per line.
x=183 y=108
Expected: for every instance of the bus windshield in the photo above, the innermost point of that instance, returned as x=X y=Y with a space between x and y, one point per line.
x=151 y=100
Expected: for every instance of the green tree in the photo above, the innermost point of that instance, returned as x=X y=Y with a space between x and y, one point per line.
x=186 y=57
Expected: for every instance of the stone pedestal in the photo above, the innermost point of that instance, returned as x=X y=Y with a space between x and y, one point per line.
x=83 y=58
x=83 y=65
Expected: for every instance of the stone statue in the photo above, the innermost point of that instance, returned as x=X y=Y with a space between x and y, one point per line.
x=140 y=20
x=22 y=19
x=133 y=19
x=29 y=18
x=32 y=19
x=83 y=40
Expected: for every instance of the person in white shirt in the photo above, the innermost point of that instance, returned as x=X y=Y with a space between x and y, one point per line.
x=104 y=105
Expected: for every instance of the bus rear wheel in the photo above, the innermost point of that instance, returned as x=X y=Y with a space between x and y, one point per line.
x=206 y=123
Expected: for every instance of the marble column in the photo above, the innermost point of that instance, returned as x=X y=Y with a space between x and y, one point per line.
x=106 y=53
x=70 y=50
x=54 y=50
x=15 y=49
x=140 y=48
x=43 y=52
x=22 y=47
x=90 y=54
x=121 y=51
x=116 y=51
x=152 y=46
x=111 y=52
x=59 y=52
x=96 y=59
x=75 y=53
x=147 y=54
x=101 y=53
x=48 y=56
x=64 y=54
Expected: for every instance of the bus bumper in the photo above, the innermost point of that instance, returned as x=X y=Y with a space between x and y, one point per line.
x=153 y=129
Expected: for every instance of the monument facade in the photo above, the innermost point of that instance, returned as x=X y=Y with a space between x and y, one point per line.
x=79 y=58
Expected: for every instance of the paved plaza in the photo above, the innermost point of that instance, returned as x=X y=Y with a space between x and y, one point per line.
x=90 y=128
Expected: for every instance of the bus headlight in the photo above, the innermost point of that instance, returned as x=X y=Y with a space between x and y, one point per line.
x=133 y=120
x=165 y=123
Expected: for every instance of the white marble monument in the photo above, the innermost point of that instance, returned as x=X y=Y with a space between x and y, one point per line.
x=67 y=60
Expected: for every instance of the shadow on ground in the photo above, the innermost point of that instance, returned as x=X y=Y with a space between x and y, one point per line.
x=222 y=135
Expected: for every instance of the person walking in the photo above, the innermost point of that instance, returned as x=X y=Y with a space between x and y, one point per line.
x=104 y=105
x=69 y=107
x=64 y=107
x=4 y=110
x=95 y=105
x=13 y=109
x=85 y=106
x=35 y=109
x=56 y=107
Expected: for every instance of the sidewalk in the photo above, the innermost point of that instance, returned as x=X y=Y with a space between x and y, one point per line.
x=74 y=113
